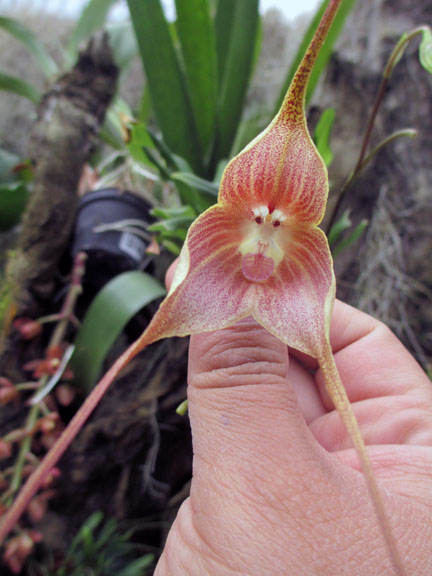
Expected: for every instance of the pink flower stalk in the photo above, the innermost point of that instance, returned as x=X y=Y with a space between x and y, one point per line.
x=258 y=252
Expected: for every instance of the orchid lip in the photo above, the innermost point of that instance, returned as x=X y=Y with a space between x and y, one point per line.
x=264 y=242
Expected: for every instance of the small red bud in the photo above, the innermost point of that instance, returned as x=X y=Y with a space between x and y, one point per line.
x=27 y=327
x=65 y=395
x=5 y=382
x=8 y=395
x=17 y=551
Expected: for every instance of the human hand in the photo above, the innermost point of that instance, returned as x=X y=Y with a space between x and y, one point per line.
x=277 y=488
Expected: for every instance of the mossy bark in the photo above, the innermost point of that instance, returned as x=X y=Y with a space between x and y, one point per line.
x=61 y=142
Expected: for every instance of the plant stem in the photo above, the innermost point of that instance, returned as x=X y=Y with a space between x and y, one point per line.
x=394 y=58
x=56 y=339
x=8 y=521
x=338 y=395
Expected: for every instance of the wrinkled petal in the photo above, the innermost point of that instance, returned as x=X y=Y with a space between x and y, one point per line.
x=295 y=304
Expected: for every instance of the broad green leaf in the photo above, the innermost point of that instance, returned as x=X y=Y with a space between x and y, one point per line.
x=425 y=50
x=236 y=28
x=18 y=86
x=110 y=311
x=339 y=226
x=326 y=50
x=13 y=199
x=30 y=41
x=196 y=35
x=166 y=81
x=92 y=18
x=322 y=135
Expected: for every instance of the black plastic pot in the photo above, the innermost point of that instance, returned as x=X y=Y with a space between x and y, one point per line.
x=106 y=229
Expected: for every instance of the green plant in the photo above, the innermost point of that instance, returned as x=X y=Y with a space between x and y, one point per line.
x=100 y=548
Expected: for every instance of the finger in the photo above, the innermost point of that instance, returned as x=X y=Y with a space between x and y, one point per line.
x=241 y=404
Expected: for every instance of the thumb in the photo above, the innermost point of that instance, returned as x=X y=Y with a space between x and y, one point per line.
x=243 y=409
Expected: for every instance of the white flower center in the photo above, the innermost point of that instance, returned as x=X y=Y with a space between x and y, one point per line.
x=264 y=234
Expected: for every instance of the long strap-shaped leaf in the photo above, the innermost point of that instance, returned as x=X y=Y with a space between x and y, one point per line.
x=167 y=83
x=19 y=87
x=196 y=35
x=236 y=26
x=32 y=43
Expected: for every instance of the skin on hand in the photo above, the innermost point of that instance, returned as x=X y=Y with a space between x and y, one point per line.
x=277 y=487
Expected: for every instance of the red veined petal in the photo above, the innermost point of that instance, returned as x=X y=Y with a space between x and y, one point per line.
x=295 y=304
x=282 y=170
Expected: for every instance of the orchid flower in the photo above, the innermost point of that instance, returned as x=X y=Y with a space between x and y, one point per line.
x=258 y=252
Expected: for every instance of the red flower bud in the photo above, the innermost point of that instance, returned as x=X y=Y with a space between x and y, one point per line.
x=27 y=327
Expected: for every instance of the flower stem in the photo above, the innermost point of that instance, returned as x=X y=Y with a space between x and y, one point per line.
x=394 y=58
x=338 y=395
x=55 y=453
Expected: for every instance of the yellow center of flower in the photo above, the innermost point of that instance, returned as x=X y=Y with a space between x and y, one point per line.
x=262 y=247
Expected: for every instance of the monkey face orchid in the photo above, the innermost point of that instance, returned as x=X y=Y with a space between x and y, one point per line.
x=257 y=252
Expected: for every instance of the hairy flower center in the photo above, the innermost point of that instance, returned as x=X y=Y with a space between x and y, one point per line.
x=262 y=247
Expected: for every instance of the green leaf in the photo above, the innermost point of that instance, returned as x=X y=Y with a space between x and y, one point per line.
x=174 y=212
x=123 y=44
x=13 y=199
x=211 y=189
x=173 y=227
x=322 y=135
x=18 y=86
x=339 y=226
x=425 y=50
x=236 y=27
x=326 y=50
x=110 y=311
x=139 y=141
x=351 y=238
x=136 y=567
x=196 y=36
x=166 y=81
x=30 y=41
x=92 y=18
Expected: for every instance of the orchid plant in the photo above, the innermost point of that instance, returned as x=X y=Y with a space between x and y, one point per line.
x=258 y=252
